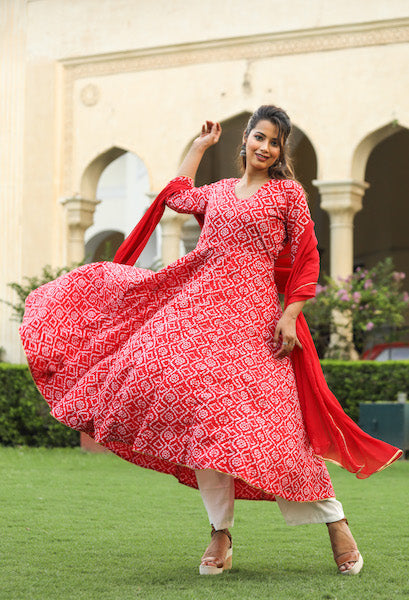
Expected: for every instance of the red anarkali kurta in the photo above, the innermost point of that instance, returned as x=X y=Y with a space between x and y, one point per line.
x=175 y=370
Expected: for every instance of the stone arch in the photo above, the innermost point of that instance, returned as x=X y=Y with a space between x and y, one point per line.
x=94 y=170
x=101 y=245
x=381 y=226
x=102 y=215
x=367 y=144
x=220 y=161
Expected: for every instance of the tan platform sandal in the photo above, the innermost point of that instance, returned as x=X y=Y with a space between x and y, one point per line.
x=343 y=549
x=211 y=564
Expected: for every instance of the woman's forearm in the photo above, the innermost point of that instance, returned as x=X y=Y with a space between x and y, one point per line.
x=209 y=136
x=294 y=309
x=191 y=162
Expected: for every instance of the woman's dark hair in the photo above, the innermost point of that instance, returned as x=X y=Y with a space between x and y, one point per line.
x=283 y=168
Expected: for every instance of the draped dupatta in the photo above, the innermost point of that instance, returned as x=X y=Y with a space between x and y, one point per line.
x=130 y=250
x=333 y=435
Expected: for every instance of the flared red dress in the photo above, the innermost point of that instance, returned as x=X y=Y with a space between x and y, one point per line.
x=175 y=370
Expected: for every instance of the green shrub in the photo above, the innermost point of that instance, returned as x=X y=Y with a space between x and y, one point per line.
x=25 y=416
x=29 y=284
x=353 y=382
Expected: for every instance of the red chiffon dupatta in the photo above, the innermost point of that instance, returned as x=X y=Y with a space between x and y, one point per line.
x=333 y=435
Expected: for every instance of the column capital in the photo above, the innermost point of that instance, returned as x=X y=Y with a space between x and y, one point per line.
x=171 y=216
x=80 y=216
x=171 y=225
x=80 y=211
x=342 y=195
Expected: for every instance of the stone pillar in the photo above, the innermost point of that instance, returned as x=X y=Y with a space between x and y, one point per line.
x=13 y=20
x=171 y=224
x=190 y=234
x=342 y=200
x=80 y=216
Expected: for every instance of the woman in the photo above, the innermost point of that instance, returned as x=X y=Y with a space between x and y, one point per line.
x=195 y=370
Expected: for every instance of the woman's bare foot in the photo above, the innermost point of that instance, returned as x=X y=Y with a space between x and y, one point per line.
x=346 y=554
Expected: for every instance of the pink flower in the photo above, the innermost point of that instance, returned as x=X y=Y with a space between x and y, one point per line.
x=356 y=296
x=368 y=284
x=398 y=276
x=369 y=326
x=320 y=288
x=405 y=297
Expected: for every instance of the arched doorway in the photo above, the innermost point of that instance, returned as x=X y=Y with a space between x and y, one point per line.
x=122 y=187
x=103 y=245
x=381 y=227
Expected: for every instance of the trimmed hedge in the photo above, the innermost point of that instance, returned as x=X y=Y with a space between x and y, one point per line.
x=25 y=418
x=353 y=382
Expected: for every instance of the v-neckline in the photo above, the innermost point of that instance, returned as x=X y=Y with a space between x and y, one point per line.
x=236 y=180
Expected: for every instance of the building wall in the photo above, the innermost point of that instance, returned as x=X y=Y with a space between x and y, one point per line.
x=90 y=80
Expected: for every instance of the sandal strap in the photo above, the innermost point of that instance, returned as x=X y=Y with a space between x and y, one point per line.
x=225 y=531
x=349 y=555
x=218 y=562
x=352 y=556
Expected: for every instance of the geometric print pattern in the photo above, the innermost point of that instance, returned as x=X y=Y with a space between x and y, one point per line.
x=175 y=370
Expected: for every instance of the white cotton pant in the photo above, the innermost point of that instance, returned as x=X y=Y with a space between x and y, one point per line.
x=217 y=491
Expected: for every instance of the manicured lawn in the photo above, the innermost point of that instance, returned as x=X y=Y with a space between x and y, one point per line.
x=82 y=526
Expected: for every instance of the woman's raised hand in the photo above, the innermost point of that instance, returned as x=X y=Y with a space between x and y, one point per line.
x=209 y=135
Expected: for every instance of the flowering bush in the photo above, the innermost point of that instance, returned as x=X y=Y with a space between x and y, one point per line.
x=372 y=300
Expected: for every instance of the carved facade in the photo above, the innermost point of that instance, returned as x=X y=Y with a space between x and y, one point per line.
x=81 y=91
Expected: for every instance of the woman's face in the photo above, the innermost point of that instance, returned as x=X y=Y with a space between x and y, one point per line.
x=262 y=146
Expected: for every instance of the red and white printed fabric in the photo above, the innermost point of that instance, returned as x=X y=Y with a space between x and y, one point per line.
x=175 y=370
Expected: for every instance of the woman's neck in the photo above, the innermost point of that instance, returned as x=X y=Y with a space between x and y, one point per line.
x=254 y=180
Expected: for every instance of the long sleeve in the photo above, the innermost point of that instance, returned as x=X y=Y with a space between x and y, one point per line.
x=192 y=200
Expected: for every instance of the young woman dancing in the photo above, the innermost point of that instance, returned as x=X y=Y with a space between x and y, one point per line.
x=196 y=370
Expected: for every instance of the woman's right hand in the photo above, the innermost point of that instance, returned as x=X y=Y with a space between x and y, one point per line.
x=209 y=135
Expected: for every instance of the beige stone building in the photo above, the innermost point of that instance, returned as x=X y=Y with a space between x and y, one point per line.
x=100 y=99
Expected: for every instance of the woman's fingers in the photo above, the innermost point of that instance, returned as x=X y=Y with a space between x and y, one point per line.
x=277 y=333
x=211 y=126
x=287 y=346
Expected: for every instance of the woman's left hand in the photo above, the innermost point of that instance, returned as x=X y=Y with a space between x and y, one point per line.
x=285 y=329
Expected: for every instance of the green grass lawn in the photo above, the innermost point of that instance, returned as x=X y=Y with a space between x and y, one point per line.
x=92 y=526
